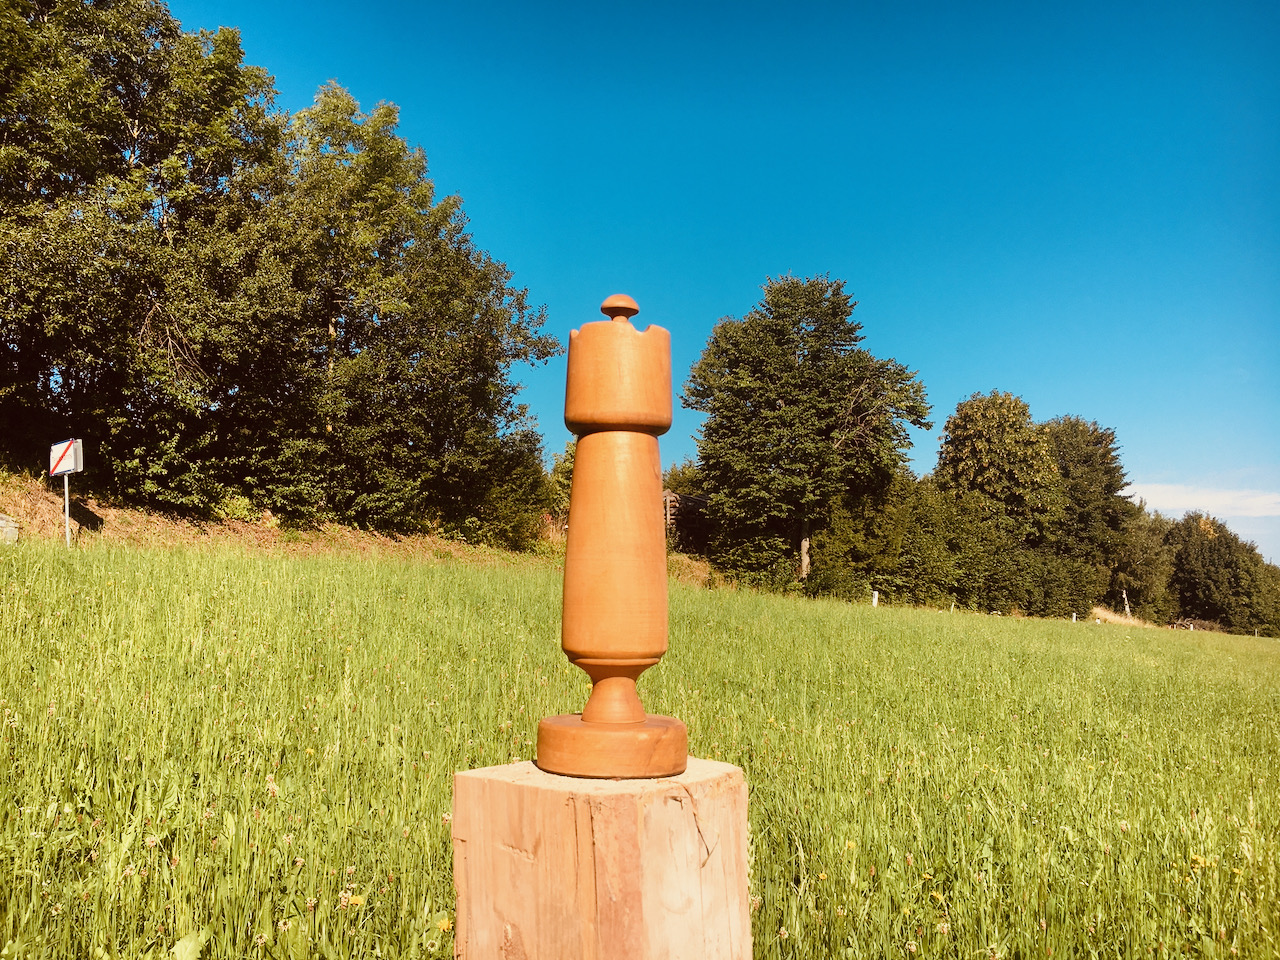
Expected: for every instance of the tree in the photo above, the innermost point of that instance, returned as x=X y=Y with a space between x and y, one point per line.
x=231 y=305
x=1038 y=512
x=992 y=448
x=860 y=547
x=799 y=418
x=1091 y=478
x=1144 y=565
x=1220 y=578
x=414 y=330
x=121 y=142
x=560 y=482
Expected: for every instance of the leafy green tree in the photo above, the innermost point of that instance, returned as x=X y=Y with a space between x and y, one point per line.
x=927 y=562
x=415 y=329
x=1091 y=478
x=1038 y=514
x=993 y=448
x=683 y=478
x=120 y=143
x=799 y=419
x=860 y=548
x=227 y=305
x=560 y=481
x=1220 y=578
x=1144 y=566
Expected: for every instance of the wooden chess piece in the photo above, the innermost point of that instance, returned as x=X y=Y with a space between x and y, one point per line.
x=614 y=624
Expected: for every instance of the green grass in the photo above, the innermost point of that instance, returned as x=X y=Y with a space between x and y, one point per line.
x=255 y=753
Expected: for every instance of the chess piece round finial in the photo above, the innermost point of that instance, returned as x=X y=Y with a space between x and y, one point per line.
x=619 y=307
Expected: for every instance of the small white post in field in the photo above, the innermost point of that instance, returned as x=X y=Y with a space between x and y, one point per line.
x=875 y=598
x=66 y=458
x=1073 y=618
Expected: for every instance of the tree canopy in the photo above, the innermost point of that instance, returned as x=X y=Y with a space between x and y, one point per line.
x=238 y=309
x=799 y=418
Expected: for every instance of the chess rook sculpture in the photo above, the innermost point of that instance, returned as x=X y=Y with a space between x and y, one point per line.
x=614 y=625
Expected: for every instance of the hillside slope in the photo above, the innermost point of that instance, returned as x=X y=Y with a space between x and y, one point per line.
x=38 y=508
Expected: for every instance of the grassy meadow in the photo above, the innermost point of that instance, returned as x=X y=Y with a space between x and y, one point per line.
x=222 y=753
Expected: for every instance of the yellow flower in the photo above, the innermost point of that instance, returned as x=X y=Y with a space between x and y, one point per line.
x=444 y=923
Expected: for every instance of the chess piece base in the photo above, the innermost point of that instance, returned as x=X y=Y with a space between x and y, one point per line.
x=572 y=747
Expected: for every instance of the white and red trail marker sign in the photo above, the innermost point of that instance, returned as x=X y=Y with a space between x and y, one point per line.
x=66 y=458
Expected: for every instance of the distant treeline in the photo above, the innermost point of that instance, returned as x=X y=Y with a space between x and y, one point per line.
x=802 y=484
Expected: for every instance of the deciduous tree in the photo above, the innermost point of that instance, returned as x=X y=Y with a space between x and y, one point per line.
x=799 y=418
x=993 y=448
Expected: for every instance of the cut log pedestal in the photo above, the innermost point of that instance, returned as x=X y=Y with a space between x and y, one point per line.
x=564 y=868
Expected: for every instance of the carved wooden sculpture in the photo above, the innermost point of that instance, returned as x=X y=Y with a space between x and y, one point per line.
x=617 y=401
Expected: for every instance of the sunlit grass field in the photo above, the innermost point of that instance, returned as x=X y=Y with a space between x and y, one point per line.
x=242 y=755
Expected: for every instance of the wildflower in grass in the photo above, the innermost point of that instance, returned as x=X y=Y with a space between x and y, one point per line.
x=944 y=928
x=432 y=946
x=129 y=871
x=152 y=842
x=311 y=903
x=285 y=924
x=911 y=946
x=298 y=862
x=447 y=817
x=260 y=940
x=782 y=933
x=756 y=902
x=287 y=839
x=344 y=898
x=444 y=924
x=822 y=876
x=350 y=871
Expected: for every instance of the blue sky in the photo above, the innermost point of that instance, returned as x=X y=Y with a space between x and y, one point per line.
x=1077 y=203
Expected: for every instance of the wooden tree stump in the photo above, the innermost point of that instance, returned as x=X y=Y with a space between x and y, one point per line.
x=566 y=868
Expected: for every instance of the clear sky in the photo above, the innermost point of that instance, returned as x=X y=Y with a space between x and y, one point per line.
x=1078 y=203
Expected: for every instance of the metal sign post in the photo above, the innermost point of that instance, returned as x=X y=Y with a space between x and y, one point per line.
x=66 y=458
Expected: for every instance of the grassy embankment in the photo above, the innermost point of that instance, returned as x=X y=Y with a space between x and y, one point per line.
x=254 y=752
